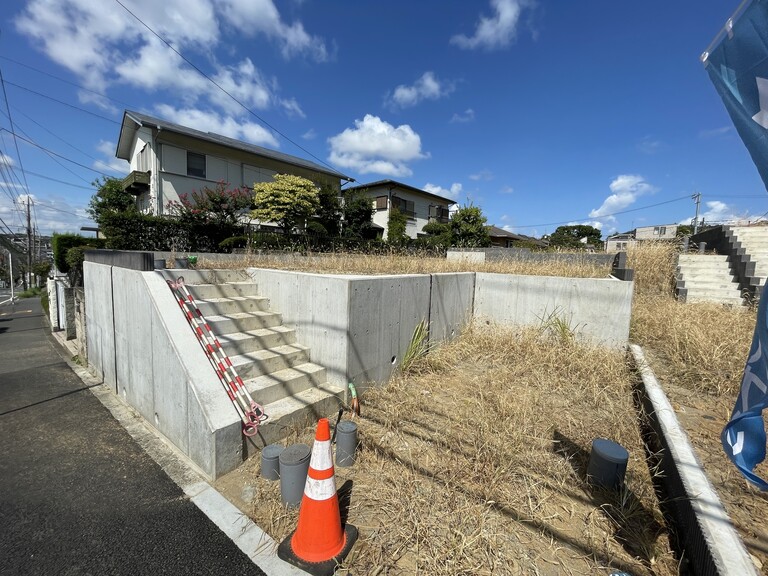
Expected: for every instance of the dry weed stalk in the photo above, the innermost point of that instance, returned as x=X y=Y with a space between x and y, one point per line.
x=346 y=263
x=473 y=463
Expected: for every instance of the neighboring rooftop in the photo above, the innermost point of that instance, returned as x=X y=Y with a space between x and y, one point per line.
x=395 y=184
x=132 y=121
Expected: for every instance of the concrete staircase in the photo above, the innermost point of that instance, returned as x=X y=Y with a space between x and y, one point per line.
x=276 y=369
x=707 y=278
x=753 y=240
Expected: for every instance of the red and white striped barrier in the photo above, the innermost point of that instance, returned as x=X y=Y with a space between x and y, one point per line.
x=251 y=413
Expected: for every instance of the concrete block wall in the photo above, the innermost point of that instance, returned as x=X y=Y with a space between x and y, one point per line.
x=144 y=349
x=596 y=309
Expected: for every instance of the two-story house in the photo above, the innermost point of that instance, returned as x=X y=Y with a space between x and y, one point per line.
x=619 y=242
x=168 y=159
x=419 y=206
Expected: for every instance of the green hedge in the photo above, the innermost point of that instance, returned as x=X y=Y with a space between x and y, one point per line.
x=63 y=242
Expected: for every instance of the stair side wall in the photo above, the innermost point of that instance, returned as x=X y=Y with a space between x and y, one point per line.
x=157 y=366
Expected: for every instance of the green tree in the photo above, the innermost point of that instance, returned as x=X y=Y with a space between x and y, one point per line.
x=684 y=230
x=289 y=200
x=327 y=220
x=109 y=198
x=468 y=228
x=437 y=234
x=220 y=205
x=358 y=215
x=571 y=237
x=396 y=226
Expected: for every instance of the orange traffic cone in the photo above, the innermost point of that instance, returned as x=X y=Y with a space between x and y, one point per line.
x=319 y=543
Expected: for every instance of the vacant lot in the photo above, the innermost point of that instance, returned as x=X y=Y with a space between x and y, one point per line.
x=474 y=461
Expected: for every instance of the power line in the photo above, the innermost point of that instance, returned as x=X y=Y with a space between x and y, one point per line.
x=62 y=102
x=59 y=181
x=49 y=207
x=686 y=197
x=75 y=84
x=10 y=119
x=212 y=81
x=56 y=154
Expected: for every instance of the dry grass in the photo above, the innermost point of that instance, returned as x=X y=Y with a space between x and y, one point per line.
x=474 y=463
x=703 y=345
x=336 y=263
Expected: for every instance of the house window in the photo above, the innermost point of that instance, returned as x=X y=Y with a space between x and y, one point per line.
x=195 y=164
x=381 y=203
x=439 y=214
x=406 y=207
x=659 y=230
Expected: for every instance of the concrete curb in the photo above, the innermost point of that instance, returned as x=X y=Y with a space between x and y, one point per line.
x=705 y=530
x=259 y=546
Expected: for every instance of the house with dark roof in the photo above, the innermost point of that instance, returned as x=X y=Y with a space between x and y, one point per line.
x=419 y=206
x=506 y=239
x=167 y=160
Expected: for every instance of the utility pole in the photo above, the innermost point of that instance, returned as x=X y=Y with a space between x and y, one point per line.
x=697 y=198
x=29 y=246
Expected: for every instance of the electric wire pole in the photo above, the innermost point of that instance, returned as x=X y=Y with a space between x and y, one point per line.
x=697 y=198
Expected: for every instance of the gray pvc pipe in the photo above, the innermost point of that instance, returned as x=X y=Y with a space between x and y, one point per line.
x=346 y=443
x=294 y=465
x=270 y=461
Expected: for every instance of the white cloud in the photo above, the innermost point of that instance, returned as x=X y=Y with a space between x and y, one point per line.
x=208 y=121
x=497 y=31
x=507 y=190
x=375 y=146
x=482 y=175
x=467 y=116
x=719 y=212
x=110 y=163
x=109 y=47
x=452 y=192
x=50 y=214
x=649 y=146
x=625 y=190
x=309 y=134
x=716 y=132
x=6 y=160
x=252 y=17
x=428 y=87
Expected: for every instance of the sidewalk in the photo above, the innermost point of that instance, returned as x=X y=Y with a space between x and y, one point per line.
x=78 y=495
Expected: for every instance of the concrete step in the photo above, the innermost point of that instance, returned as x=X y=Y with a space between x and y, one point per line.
x=216 y=276
x=244 y=342
x=751 y=231
x=272 y=387
x=232 y=304
x=704 y=265
x=729 y=300
x=704 y=272
x=260 y=362
x=297 y=411
x=229 y=290
x=243 y=322
x=699 y=258
x=708 y=284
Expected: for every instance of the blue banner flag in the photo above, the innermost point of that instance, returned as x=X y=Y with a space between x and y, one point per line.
x=743 y=437
x=738 y=67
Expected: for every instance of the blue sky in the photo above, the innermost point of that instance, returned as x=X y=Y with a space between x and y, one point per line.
x=542 y=113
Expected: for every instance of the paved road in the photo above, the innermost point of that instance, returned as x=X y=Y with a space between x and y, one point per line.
x=77 y=495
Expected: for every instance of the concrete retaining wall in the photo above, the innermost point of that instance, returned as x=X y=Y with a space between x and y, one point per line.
x=357 y=327
x=596 y=309
x=144 y=349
